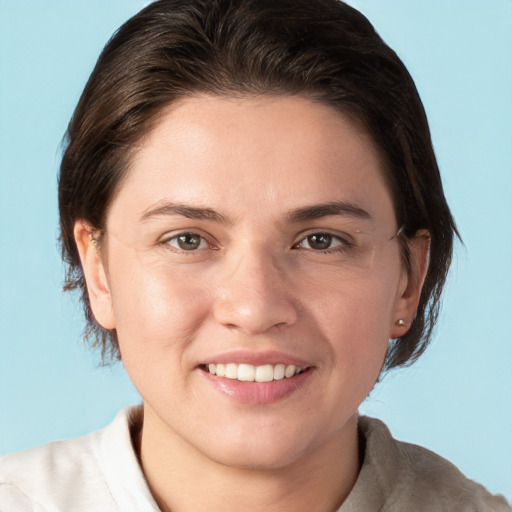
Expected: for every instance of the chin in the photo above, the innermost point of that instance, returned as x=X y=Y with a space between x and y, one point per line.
x=271 y=452
x=260 y=461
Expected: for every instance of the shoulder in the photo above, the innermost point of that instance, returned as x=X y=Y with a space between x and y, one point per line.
x=413 y=475
x=47 y=476
x=61 y=475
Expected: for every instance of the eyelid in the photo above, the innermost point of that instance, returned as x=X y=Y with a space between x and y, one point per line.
x=164 y=240
x=344 y=237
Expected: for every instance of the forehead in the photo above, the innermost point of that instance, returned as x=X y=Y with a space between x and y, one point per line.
x=255 y=154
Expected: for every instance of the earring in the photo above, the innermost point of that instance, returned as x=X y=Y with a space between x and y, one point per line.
x=400 y=322
x=92 y=238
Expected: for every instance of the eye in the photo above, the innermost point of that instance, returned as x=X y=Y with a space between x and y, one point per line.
x=322 y=242
x=187 y=242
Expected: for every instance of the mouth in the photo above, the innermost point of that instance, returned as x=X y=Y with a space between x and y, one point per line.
x=257 y=377
x=249 y=373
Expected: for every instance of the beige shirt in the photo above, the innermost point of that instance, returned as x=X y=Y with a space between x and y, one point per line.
x=403 y=477
x=100 y=473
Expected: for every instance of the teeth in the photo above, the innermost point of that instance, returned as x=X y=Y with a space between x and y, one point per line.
x=250 y=373
x=221 y=370
x=264 y=373
x=245 y=372
x=279 y=370
x=231 y=371
x=290 y=371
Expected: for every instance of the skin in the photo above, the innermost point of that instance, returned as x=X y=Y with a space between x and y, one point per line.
x=256 y=285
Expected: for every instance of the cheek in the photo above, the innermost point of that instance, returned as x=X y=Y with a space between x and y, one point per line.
x=155 y=309
x=354 y=317
x=361 y=306
x=157 y=318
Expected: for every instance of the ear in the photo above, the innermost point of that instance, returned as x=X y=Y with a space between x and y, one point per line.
x=411 y=285
x=95 y=275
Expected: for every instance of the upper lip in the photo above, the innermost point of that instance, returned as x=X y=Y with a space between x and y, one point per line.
x=255 y=358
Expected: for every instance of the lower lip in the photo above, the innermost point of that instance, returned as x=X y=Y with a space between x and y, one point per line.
x=258 y=392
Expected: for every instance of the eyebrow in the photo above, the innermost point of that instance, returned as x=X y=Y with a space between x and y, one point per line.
x=318 y=211
x=306 y=213
x=190 y=212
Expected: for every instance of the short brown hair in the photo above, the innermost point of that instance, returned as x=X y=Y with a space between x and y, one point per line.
x=324 y=49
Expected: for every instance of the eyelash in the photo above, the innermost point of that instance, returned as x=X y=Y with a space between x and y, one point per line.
x=343 y=243
x=166 y=242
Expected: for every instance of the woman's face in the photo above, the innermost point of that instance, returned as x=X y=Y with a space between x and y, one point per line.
x=252 y=237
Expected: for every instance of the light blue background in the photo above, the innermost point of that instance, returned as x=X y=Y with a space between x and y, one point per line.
x=457 y=400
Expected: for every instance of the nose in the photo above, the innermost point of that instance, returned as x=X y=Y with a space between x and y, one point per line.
x=253 y=295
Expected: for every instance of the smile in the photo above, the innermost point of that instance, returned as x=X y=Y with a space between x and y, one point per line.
x=251 y=373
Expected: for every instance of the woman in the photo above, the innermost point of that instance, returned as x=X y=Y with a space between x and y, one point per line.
x=250 y=206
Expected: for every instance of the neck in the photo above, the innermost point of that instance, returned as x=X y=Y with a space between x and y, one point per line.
x=182 y=479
